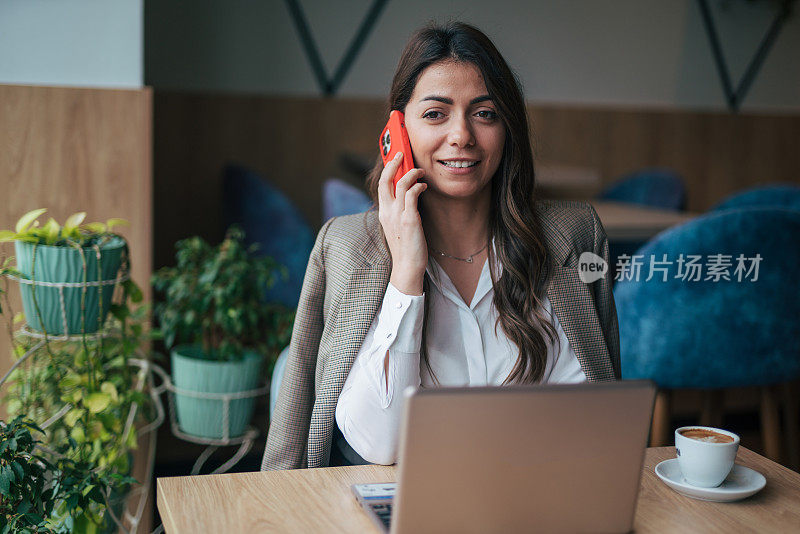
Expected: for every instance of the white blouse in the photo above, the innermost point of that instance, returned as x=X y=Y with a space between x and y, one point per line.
x=463 y=349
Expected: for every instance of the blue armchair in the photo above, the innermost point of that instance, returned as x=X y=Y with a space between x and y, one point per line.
x=770 y=196
x=340 y=198
x=712 y=334
x=270 y=220
x=658 y=188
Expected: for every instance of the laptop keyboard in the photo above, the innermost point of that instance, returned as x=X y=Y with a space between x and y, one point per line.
x=383 y=511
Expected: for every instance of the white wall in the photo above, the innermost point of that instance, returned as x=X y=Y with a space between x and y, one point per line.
x=87 y=43
x=652 y=53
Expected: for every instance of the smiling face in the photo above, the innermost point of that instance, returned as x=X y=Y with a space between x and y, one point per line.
x=455 y=132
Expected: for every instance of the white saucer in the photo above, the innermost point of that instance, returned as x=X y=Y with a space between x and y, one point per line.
x=741 y=482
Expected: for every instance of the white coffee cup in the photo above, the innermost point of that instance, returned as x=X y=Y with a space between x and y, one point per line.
x=704 y=463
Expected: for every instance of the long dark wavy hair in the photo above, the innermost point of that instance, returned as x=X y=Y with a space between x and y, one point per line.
x=513 y=223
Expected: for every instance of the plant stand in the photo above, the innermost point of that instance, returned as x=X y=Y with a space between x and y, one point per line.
x=137 y=497
x=244 y=441
x=145 y=378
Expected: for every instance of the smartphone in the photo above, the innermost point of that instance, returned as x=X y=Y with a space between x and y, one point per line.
x=394 y=139
x=377 y=500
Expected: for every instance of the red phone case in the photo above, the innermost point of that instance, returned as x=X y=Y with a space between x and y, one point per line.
x=394 y=139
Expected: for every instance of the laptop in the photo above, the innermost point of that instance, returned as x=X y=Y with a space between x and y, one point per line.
x=550 y=458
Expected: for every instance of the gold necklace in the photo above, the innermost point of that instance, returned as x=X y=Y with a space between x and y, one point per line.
x=466 y=260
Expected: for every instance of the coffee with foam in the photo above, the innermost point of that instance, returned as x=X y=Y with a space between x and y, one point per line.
x=705 y=454
x=708 y=436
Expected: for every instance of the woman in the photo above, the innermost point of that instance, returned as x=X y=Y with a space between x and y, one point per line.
x=459 y=278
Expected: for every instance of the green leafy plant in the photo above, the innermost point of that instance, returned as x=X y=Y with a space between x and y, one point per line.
x=47 y=492
x=86 y=388
x=214 y=298
x=95 y=389
x=95 y=382
x=84 y=254
x=74 y=232
x=26 y=495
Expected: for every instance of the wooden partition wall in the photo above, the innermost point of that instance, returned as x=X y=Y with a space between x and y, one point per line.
x=77 y=149
x=716 y=153
x=74 y=149
x=296 y=143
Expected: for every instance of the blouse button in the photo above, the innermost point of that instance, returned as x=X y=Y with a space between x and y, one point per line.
x=398 y=305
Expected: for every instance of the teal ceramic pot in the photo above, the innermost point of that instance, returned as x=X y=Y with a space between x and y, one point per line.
x=204 y=417
x=64 y=264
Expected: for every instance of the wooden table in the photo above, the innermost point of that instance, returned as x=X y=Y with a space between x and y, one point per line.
x=631 y=222
x=319 y=500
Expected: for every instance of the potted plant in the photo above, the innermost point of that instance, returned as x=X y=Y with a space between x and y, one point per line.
x=91 y=384
x=52 y=255
x=91 y=393
x=92 y=399
x=40 y=493
x=95 y=403
x=219 y=329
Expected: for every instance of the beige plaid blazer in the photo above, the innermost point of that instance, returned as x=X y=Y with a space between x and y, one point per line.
x=344 y=285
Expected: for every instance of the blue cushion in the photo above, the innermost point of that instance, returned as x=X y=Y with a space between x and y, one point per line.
x=269 y=219
x=706 y=334
x=340 y=198
x=770 y=196
x=659 y=188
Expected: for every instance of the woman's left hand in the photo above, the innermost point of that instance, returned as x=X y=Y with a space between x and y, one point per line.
x=402 y=226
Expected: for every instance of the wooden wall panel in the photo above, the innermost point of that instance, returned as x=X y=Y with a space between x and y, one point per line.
x=296 y=143
x=76 y=149
x=717 y=153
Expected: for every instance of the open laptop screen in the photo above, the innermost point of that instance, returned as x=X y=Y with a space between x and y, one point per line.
x=522 y=458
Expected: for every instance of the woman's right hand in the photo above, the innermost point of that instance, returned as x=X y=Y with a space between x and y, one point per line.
x=402 y=225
